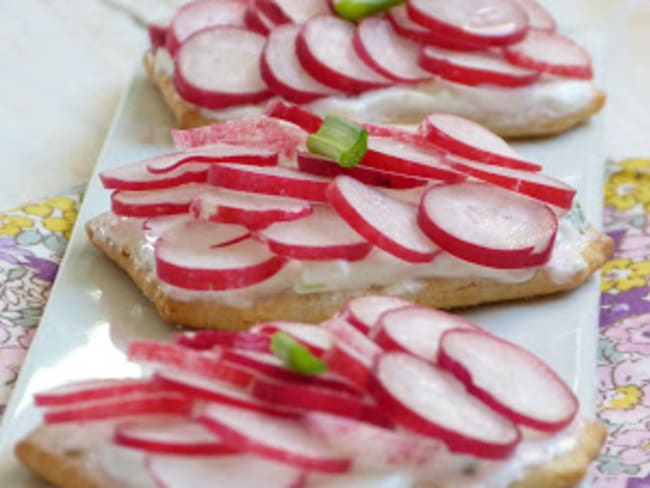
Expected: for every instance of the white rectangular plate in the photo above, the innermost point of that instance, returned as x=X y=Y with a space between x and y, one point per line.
x=94 y=309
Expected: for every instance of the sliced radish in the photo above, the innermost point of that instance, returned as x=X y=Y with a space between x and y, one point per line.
x=283 y=11
x=475 y=68
x=293 y=113
x=538 y=17
x=218 y=67
x=155 y=403
x=272 y=438
x=208 y=364
x=258 y=21
x=169 y=435
x=282 y=71
x=386 y=52
x=325 y=49
x=431 y=402
x=152 y=203
x=416 y=330
x=272 y=11
x=157 y=36
x=528 y=392
x=204 y=340
x=231 y=471
x=253 y=211
x=551 y=53
x=155 y=227
x=321 y=166
x=471 y=140
x=90 y=390
x=136 y=176
x=200 y=14
x=319 y=236
x=317 y=339
x=386 y=222
x=538 y=186
x=483 y=22
x=371 y=447
x=363 y=312
x=277 y=181
x=487 y=225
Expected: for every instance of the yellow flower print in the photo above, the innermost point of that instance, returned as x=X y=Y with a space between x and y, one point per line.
x=627 y=188
x=61 y=203
x=40 y=210
x=641 y=165
x=58 y=214
x=623 y=275
x=623 y=398
x=11 y=225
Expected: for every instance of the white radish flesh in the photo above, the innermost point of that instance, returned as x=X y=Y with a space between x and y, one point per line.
x=363 y=312
x=136 y=176
x=216 y=153
x=316 y=338
x=538 y=17
x=152 y=203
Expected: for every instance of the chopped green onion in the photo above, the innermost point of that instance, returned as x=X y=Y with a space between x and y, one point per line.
x=358 y=9
x=341 y=140
x=577 y=217
x=294 y=355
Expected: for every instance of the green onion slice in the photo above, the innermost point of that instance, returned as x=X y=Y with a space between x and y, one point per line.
x=358 y=9
x=341 y=140
x=294 y=355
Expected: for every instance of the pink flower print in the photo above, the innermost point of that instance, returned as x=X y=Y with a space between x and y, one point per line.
x=11 y=358
x=634 y=244
x=4 y=335
x=25 y=339
x=631 y=335
x=624 y=392
x=635 y=444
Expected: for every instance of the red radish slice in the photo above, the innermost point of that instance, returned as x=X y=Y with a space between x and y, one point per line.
x=282 y=71
x=157 y=36
x=199 y=14
x=262 y=132
x=319 y=236
x=204 y=340
x=217 y=154
x=90 y=390
x=371 y=447
x=325 y=49
x=253 y=211
x=198 y=387
x=136 y=177
x=278 y=181
x=535 y=185
x=277 y=439
x=207 y=364
x=416 y=330
x=293 y=113
x=483 y=22
x=161 y=403
x=283 y=11
x=317 y=339
x=431 y=402
x=551 y=53
x=200 y=234
x=226 y=471
x=156 y=227
x=152 y=203
x=209 y=70
x=388 y=223
x=271 y=10
x=386 y=52
x=538 y=17
x=320 y=166
x=169 y=435
x=475 y=68
x=542 y=400
x=487 y=225
x=363 y=312
x=471 y=140
x=257 y=21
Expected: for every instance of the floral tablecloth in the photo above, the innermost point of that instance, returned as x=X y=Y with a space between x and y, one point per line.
x=33 y=239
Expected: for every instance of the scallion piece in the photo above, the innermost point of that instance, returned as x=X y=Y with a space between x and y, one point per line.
x=341 y=140
x=358 y=9
x=294 y=355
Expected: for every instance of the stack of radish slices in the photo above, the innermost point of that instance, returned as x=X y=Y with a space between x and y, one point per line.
x=302 y=51
x=240 y=200
x=406 y=388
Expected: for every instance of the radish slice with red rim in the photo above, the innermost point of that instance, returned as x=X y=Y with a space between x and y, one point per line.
x=551 y=53
x=483 y=22
x=204 y=340
x=317 y=339
x=363 y=312
x=325 y=49
x=293 y=113
x=136 y=176
x=152 y=203
x=272 y=11
x=538 y=17
x=91 y=390
x=199 y=14
x=542 y=400
x=272 y=438
x=169 y=435
x=232 y=471
x=319 y=236
x=282 y=71
x=475 y=68
x=258 y=21
x=387 y=223
x=279 y=181
x=416 y=330
x=251 y=210
x=471 y=140
x=209 y=71
x=386 y=52
x=155 y=227
x=217 y=153
x=157 y=36
x=487 y=225
x=431 y=402
x=282 y=11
